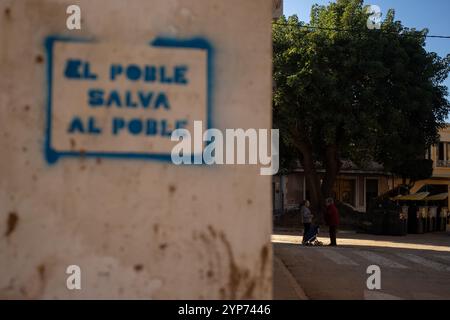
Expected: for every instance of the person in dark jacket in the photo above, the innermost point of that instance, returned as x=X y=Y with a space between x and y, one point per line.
x=332 y=220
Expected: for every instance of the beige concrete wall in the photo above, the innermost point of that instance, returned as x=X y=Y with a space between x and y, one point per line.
x=137 y=229
x=441 y=172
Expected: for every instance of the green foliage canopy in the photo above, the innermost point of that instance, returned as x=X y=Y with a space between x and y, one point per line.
x=372 y=95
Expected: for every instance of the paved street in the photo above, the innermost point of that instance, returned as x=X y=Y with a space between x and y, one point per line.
x=412 y=267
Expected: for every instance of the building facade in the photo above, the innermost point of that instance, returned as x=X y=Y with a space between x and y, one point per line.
x=359 y=187
x=440 y=154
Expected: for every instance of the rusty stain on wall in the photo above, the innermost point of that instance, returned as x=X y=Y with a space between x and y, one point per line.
x=241 y=283
x=8 y=13
x=39 y=59
x=11 y=224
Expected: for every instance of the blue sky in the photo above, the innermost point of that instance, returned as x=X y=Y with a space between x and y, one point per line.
x=431 y=14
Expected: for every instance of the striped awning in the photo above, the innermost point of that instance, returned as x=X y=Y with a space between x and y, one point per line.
x=437 y=197
x=412 y=197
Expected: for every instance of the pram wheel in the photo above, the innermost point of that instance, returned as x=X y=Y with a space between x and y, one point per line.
x=311 y=237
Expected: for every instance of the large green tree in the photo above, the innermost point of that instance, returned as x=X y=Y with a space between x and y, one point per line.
x=343 y=91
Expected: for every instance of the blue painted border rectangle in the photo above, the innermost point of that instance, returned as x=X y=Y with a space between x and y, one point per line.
x=52 y=155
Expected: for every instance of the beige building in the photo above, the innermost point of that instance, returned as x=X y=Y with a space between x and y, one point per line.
x=440 y=154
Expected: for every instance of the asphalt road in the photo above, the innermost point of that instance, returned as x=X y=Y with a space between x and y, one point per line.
x=412 y=267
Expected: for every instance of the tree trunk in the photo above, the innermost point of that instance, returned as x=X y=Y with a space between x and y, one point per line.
x=320 y=191
x=332 y=165
x=312 y=180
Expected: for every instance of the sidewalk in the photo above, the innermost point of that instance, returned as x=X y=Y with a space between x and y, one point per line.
x=299 y=231
x=437 y=241
x=412 y=267
x=285 y=287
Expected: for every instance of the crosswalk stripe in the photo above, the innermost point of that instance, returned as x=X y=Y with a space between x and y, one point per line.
x=301 y=255
x=336 y=257
x=425 y=262
x=380 y=260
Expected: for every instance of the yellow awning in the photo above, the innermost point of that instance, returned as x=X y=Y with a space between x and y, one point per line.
x=413 y=197
x=437 y=197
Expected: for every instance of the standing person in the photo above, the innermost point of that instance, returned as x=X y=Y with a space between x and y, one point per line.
x=306 y=219
x=332 y=220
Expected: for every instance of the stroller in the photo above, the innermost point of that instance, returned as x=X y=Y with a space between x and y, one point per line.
x=311 y=237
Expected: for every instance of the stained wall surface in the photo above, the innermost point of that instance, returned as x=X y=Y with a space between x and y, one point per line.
x=138 y=228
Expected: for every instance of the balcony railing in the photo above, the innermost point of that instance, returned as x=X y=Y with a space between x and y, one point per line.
x=443 y=164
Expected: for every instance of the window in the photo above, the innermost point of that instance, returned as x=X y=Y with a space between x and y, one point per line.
x=448 y=151
x=440 y=152
x=371 y=192
x=345 y=190
x=443 y=154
